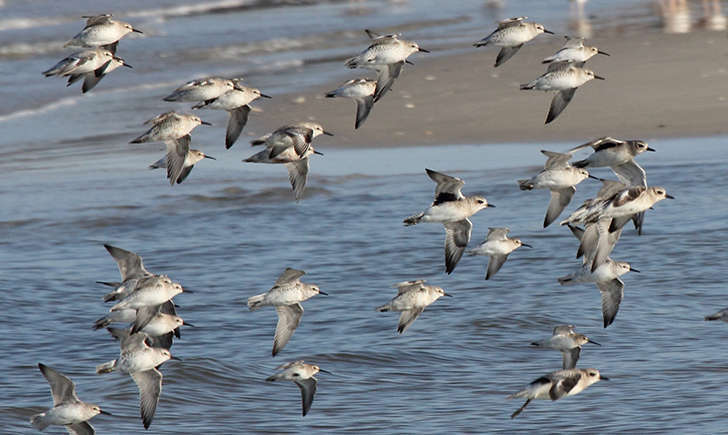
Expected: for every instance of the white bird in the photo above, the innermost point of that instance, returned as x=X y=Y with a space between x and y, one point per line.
x=574 y=51
x=286 y=296
x=497 y=246
x=179 y=160
x=237 y=102
x=150 y=291
x=290 y=145
x=558 y=384
x=201 y=89
x=412 y=298
x=131 y=269
x=101 y=30
x=510 y=35
x=386 y=55
x=81 y=62
x=452 y=209
x=565 y=78
x=68 y=410
x=91 y=79
x=566 y=341
x=139 y=360
x=720 y=315
x=302 y=375
x=169 y=126
x=362 y=92
x=560 y=178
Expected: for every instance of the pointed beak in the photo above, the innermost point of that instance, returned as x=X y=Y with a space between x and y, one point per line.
x=325 y=371
x=188 y=324
x=548 y=31
x=205 y=123
x=603 y=378
x=265 y=96
x=595 y=178
x=328 y=133
x=669 y=196
x=593 y=342
x=491 y=205
x=136 y=30
x=186 y=290
x=423 y=50
x=175 y=358
x=209 y=157
x=599 y=78
x=318 y=152
x=409 y=62
x=650 y=149
x=632 y=269
x=526 y=245
x=447 y=294
x=127 y=65
x=105 y=413
x=323 y=293
x=603 y=52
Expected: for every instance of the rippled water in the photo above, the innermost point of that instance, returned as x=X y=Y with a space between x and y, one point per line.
x=232 y=228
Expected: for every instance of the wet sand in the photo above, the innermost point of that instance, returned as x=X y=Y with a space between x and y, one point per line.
x=657 y=85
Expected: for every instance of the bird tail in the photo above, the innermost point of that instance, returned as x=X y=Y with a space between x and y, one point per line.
x=255 y=302
x=385 y=307
x=106 y=367
x=413 y=220
x=565 y=280
x=525 y=184
x=331 y=94
x=38 y=421
x=713 y=317
x=101 y=323
x=140 y=139
x=108 y=297
x=522 y=393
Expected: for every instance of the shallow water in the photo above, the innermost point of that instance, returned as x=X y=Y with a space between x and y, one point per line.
x=231 y=228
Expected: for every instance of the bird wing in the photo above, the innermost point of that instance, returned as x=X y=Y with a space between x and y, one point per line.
x=289 y=316
x=363 y=107
x=571 y=356
x=563 y=385
x=132 y=342
x=612 y=294
x=563 y=329
x=559 y=200
x=494 y=264
x=130 y=264
x=407 y=286
x=559 y=103
x=606 y=141
x=143 y=316
x=308 y=389
x=149 y=383
x=500 y=233
x=631 y=173
x=62 y=388
x=238 y=119
x=83 y=428
x=457 y=236
x=448 y=188
x=556 y=160
x=603 y=247
x=610 y=188
x=572 y=42
x=177 y=150
x=506 y=53
x=385 y=79
x=297 y=173
x=407 y=317
x=289 y=276
x=510 y=22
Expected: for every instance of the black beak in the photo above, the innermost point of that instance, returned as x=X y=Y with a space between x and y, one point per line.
x=599 y=78
x=632 y=269
x=175 y=358
x=209 y=157
x=548 y=31
x=669 y=196
x=328 y=133
x=325 y=371
x=602 y=52
x=595 y=178
x=446 y=294
x=188 y=324
x=423 y=50
x=491 y=205
x=603 y=378
x=323 y=293
x=650 y=149
x=184 y=290
x=265 y=96
x=136 y=30
x=318 y=152
x=408 y=62
x=593 y=342
x=526 y=245
x=205 y=123
x=101 y=411
x=127 y=65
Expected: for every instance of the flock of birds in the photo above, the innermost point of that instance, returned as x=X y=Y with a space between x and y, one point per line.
x=144 y=300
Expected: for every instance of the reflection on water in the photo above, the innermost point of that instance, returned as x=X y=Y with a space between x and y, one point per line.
x=676 y=15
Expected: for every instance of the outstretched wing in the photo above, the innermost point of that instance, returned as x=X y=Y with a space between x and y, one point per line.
x=448 y=188
x=457 y=236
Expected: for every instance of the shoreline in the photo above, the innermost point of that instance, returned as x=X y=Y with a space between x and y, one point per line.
x=657 y=86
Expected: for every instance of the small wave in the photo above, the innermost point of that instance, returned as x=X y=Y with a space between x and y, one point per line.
x=69 y=101
x=23 y=49
x=192 y=9
x=29 y=23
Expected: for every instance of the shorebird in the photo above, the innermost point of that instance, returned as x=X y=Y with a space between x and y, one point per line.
x=101 y=30
x=497 y=246
x=574 y=51
x=201 y=89
x=386 y=55
x=607 y=279
x=169 y=126
x=565 y=78
x=510 y=35
x=131 y=269
x=286 y=296
x=160 y=322
x=412 y=298
x=362 y=92
x=91 y=79
x=452 y=209
x=150 y=291
x=560 y=178
x=81 y=63
x=558 y=384
x=566 y=341
x=301 y=374
x=139 y=360
x=720 y=315
x=237 y=102
x=68 y=410
x=180 y=159
x=290 y=145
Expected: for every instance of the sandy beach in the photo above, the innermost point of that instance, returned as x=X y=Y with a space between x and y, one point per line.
x=657 y=85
